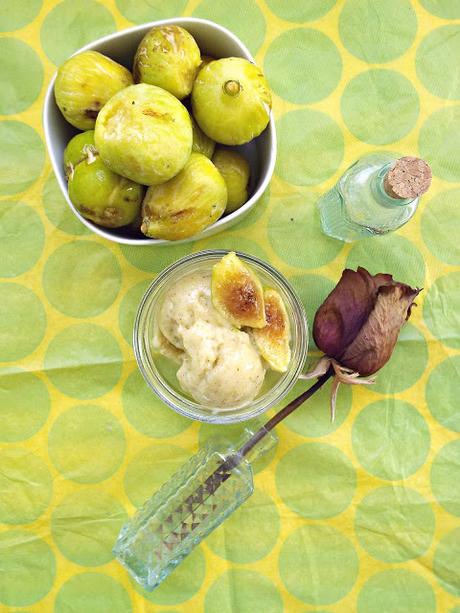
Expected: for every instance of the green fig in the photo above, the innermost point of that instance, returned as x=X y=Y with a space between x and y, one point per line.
x=190 y=202
x=83 y=85
x=231 y=101
x=144 y=134
x=168 y=57
x=201 y=143
x=235 y=170
x=78 y=149
x=103 y=196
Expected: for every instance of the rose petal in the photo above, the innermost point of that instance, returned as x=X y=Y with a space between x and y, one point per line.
x=374 y=344
x=342 y=315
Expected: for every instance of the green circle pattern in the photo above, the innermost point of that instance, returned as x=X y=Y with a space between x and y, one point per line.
x=85 y=525
x=21 y=75
x=440 y=47
x=128 y=309
x=143 y=11
x=315 y=66
x=439 y=143
x=316 y=480
x=103 y=592
x=448 y=9
x=159 y=462
x=21 y=238
x=445 y=476
x=25 y=484
x=28 y=568
x=22 y=159
x=329 y=553
x=294 y=232
x=441 y=321
x=25 y=405
x=390 y=28
x=396 y=590
x=71 y=24
x=22 y=321
x=83 y=361
x=394 y=253
x=446 y=562
x=251 y=591
x=371 y=110
x=58 y=211
x=250 y=533
x=310 y=147
x=17 y=14
x=245 y=19
x=390 y=439
x=145 y=411
x=394 y=524
x=440 y=215
x=82 y=278
x=441 y=393
x=293 y=10
x=86 y=444
x=314 y=419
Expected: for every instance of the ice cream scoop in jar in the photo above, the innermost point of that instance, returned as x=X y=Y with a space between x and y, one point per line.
x=204 y=362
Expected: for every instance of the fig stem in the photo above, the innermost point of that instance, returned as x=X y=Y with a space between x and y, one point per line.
x=232 y=87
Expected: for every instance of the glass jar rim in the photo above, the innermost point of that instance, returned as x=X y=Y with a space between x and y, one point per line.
x=188 y=407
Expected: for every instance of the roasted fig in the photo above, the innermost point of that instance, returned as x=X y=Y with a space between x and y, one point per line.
x=84 y=83
x=273 y=340
x=237 y=293
x=101 y=195
x=194 y=199
x=231 y=101
x=168 y=57
x=201 y=143
x=79 y=148
x=145 y=134
x=235 y=170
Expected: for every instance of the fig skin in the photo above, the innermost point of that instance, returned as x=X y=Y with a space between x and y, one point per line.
x=273 y=340
x=231 y=101
x=102 y=196
x=237 y=292
x=168 y=57
x=84 y=83
x=187 y=204
x=235 y=170
x=78 y=149
x=144 y=134
x=201 y=143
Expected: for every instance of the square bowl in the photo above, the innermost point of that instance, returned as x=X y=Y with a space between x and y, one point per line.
x=213 y=40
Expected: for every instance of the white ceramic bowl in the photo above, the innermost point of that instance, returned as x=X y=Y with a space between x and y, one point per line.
x=213 y=40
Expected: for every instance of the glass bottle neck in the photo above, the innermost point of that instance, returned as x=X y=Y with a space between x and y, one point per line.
x=379 y=193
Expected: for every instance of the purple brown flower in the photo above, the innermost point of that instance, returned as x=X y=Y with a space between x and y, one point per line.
x=359 y=322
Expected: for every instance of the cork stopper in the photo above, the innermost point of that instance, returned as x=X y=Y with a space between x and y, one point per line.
x=409 y=177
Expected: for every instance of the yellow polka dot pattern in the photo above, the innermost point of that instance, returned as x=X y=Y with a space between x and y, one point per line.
x=360 y=515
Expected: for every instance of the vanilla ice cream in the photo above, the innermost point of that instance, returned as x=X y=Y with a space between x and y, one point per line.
x=220 y=366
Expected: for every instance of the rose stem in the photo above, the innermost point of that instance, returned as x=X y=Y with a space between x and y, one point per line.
x=223 y=470
x=287 y=410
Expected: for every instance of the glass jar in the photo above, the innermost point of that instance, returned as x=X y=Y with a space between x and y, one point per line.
x=190 y=505
x=160 y=372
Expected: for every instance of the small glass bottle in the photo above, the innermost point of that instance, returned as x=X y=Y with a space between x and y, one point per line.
x=376 y=195
x=193 y=503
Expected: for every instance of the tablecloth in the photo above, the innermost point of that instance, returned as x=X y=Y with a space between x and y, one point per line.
x=358 y=515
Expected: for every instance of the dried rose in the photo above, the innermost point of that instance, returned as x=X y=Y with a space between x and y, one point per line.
x=359 y=322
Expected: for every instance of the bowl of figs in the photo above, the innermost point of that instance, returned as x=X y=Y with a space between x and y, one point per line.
x=161 y=133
